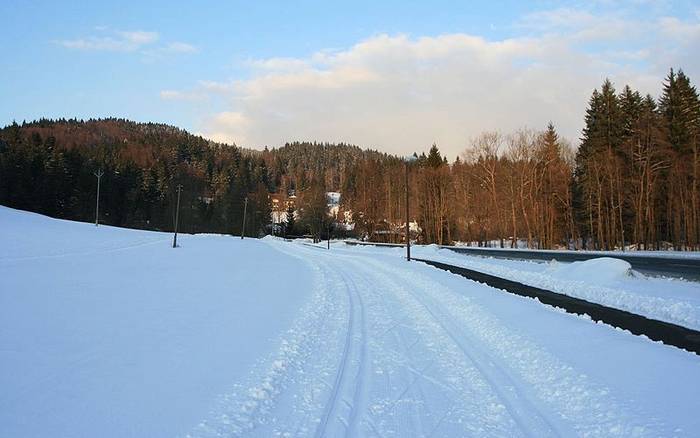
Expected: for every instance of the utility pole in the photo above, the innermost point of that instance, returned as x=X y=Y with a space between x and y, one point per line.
x=177 y=214
x=408 y=160
x=408 y=228
x=98 y=174
x=245 y=210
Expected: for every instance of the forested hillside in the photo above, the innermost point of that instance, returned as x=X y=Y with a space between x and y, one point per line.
x=634 y=179
x=47 y=166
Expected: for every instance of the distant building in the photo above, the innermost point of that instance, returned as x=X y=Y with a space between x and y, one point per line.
x=280 y=202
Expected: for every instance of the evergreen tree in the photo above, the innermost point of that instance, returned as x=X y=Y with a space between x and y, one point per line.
x=631 y=108
x=434 y=157
x=289 y=228
x=598 y=180
x=680 y=106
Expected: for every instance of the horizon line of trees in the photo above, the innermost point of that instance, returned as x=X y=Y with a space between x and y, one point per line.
x=633 y=182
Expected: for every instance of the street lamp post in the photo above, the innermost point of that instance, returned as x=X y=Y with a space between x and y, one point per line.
x=98 y=174
x=410 y=159
x=177 y=214
x=245 y=210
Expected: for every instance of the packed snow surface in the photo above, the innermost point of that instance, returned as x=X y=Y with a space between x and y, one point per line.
x=109 y=332
x=605 y=280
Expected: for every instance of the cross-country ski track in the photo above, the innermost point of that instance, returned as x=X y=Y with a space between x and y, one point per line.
x=317 y=343
x=413 y=356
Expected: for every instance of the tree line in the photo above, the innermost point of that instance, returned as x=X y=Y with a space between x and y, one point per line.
x=48 y=167
x=633 y=182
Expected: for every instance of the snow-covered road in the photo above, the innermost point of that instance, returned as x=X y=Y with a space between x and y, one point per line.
x=398 y=349
x=606 y=281
x=109 y=332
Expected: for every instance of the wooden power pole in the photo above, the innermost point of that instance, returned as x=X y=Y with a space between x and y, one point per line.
x=98 y=174
x=408 y=160
x=245 y=210
x=408 y=227
x=177 y=214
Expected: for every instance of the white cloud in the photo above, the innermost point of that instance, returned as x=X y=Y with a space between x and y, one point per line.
x=217 y=87
x=228 y=127
x=178 y=47
x=139 y=37
x=583 y=26
x=182 y=95
x=144 y=42
x=400 y=94
x=277 y=64
x=679 y=30
x=117 y=42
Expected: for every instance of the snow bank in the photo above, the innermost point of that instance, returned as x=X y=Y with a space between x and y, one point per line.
x=603 y=270
x=107 y=332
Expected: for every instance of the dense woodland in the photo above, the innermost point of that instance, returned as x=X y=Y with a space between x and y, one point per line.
x=634 y=180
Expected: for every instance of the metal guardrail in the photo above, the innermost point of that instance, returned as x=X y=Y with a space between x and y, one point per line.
x=681 y=267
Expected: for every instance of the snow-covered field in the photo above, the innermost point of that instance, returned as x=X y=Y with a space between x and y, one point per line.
x=109 y=332
x=605 y=280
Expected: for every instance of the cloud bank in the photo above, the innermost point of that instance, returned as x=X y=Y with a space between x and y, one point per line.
x=400 y=94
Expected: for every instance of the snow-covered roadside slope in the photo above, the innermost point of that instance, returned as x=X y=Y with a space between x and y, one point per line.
x=604 y=280
x=111 y=332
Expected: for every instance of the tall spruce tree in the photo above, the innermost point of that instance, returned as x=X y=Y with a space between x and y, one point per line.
x=598 y=177
x=289 y=228
x=434 y=157
x=680 y=106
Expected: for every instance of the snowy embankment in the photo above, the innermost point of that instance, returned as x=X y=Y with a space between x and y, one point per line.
x=604 y=280
x=111 y=332
x=107 y=332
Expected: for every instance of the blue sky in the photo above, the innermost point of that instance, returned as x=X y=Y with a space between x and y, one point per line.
x=391 y=75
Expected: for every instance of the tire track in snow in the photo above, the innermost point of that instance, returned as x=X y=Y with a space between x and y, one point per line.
x=417 y=407
x=278 y=398
x=530 y=420
x=353 y=356
x=359 y=396
x=585 y=407
x=394 y=353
